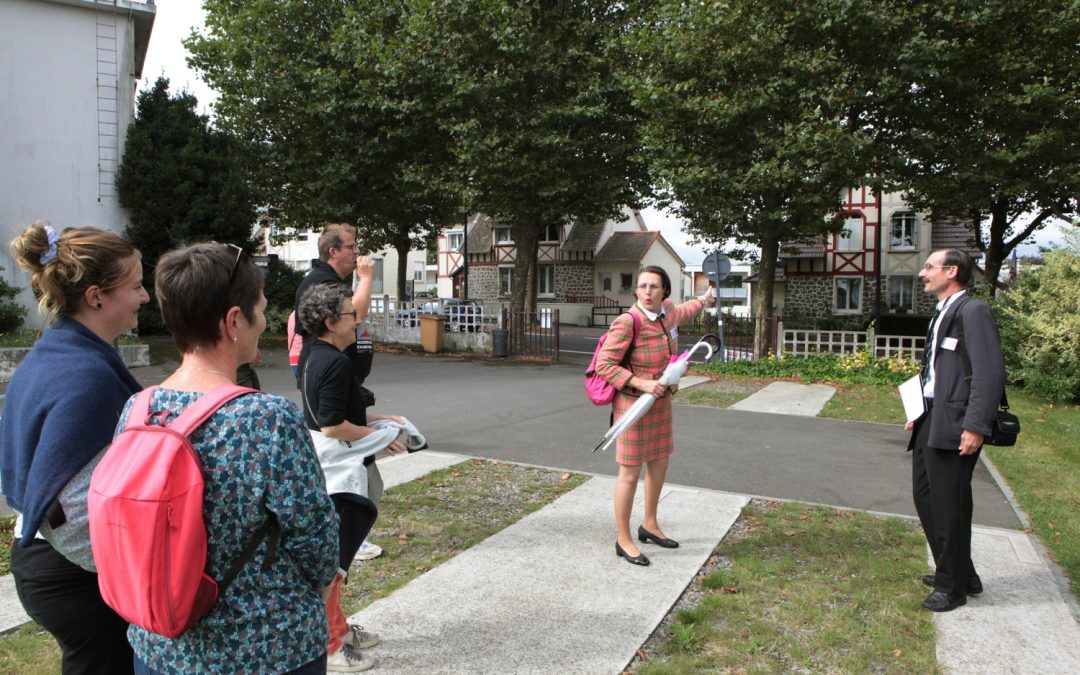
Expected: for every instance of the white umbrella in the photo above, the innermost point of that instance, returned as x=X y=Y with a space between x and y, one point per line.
x=672 y=374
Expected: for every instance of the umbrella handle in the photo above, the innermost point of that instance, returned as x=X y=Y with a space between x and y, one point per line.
x=700 y=343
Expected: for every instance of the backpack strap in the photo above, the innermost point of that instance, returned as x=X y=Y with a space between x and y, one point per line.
x=269 y=528
x=199 y=411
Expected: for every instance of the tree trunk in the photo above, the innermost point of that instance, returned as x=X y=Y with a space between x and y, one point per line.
x=770 y=248
x=531 y=297
x=525 y=239
x=402 y=246
x=995 y=247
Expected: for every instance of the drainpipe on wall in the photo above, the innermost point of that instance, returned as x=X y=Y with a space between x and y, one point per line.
x=877 y=264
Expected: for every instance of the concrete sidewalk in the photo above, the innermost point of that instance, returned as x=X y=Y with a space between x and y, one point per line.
x=548 y=594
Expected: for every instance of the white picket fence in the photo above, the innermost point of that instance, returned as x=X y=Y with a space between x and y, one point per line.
x=803 y=342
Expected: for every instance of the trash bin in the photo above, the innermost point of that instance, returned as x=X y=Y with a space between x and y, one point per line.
x=431 y=332
x=499 y=338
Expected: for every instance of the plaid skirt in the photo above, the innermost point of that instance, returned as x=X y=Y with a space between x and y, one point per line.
x=650 y=437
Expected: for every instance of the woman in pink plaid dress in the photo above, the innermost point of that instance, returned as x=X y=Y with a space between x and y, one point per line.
x=648 y=441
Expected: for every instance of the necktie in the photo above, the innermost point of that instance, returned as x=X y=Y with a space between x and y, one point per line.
x=928 y=348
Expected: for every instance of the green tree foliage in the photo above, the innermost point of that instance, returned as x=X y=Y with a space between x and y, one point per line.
x=1039 y=319
x=753 y=110
x=980 y=101
x=181 y=182
x=341 y=123
x=12 y=313
x=281 y=284
x=544 y=133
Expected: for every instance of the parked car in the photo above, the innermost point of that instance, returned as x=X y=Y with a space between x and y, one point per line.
x=461 y=315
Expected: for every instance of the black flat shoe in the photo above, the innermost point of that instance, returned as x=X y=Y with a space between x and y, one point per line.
x=645 y=535
x=974 y=585
x=632 y=559
x=941 y=602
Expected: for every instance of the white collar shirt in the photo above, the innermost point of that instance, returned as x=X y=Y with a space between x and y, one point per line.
x=942 y=306
x=652 y=316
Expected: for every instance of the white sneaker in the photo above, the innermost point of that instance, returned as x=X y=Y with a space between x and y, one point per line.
x=368 y=551
x=348 y=660
x=358 y=638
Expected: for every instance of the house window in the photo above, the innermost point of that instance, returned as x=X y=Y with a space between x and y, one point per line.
x=545 y=282
x=902 y=231
x=502 y=235
x=506 y=276
x=454 y=240
x=847 y=295
x=850 y=238
x=902 y=294
x=607 y=283
x=377 y=287
x=551 y=234
x=627 y=281
x=419 y=272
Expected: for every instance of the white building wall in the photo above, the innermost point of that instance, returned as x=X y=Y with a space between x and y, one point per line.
x=67 y=77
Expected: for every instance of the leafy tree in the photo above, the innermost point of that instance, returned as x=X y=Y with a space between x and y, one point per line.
x=754 y=123
x=12 y=313
x=340 y=122
x=544 y=133
x=980 y=100
x=1040 y=324
x=180 y=181
x=281 y=284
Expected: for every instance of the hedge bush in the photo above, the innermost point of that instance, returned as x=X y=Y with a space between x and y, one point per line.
x=859 y=367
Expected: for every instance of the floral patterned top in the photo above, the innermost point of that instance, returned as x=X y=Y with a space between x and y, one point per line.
x=257 y=457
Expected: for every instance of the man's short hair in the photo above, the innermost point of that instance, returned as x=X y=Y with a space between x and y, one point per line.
x=331 y=238
x=963 y=263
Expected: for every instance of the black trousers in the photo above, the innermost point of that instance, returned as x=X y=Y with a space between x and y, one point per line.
x=358 y=515
x=64 y=599
x=941 y=488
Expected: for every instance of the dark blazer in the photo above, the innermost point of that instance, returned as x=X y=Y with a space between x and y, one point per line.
x=961 y=401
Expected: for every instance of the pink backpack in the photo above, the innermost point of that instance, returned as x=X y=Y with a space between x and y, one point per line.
x=146 y=519
x=599 y=391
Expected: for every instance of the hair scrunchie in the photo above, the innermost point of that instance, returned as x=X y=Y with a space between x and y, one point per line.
x=50 y=254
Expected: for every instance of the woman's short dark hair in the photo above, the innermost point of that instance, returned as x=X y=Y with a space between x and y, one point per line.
x=665 y=280
x=962 y=261
x=319 y=303
x=197 y=285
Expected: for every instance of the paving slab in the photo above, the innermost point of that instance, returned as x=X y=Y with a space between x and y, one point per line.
x=1022 y=623
x=548 y=594
x=12 y=614
x=788 y=398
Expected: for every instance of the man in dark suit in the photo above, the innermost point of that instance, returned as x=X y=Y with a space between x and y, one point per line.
x=963 y=378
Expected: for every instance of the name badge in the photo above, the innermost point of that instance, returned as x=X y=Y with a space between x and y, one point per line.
x=674 y=332
x=949 y=343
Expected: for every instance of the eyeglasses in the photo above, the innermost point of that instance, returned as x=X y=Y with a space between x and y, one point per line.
x=236 y=265
x=648 y=287
x=351 y=246
x=352 y=314
x=928 y=266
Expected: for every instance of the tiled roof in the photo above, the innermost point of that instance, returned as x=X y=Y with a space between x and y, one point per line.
x=583 y=237
x=813 y=248
x=778 y=275
x=480 y=230
x=624 y=246
x=952 y=233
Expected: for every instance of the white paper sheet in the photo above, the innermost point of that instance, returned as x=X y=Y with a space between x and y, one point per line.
x=911 y=394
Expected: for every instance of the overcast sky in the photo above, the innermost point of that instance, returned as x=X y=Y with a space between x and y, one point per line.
x=167 y=56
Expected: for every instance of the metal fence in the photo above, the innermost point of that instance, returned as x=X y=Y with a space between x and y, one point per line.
x=461 y=316
x=532 y=334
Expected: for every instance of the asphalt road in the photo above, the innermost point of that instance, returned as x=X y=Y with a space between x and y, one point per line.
x=538 y=414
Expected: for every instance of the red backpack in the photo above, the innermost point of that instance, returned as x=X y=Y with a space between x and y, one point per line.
x=599 y=391
x=146 y=519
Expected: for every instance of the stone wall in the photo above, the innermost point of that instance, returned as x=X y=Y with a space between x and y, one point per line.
x=575 y=279
x=483 y=283
x=811 y=297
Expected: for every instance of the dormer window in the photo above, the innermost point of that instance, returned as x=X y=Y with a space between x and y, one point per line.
x=502 y=235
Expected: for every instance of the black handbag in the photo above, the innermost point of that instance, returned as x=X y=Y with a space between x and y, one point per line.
x=1005 y=427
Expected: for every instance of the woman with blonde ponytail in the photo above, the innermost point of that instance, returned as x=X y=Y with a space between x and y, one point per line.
x=60 y=411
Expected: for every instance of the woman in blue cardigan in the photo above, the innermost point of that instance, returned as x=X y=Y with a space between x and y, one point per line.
x=59 y=415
